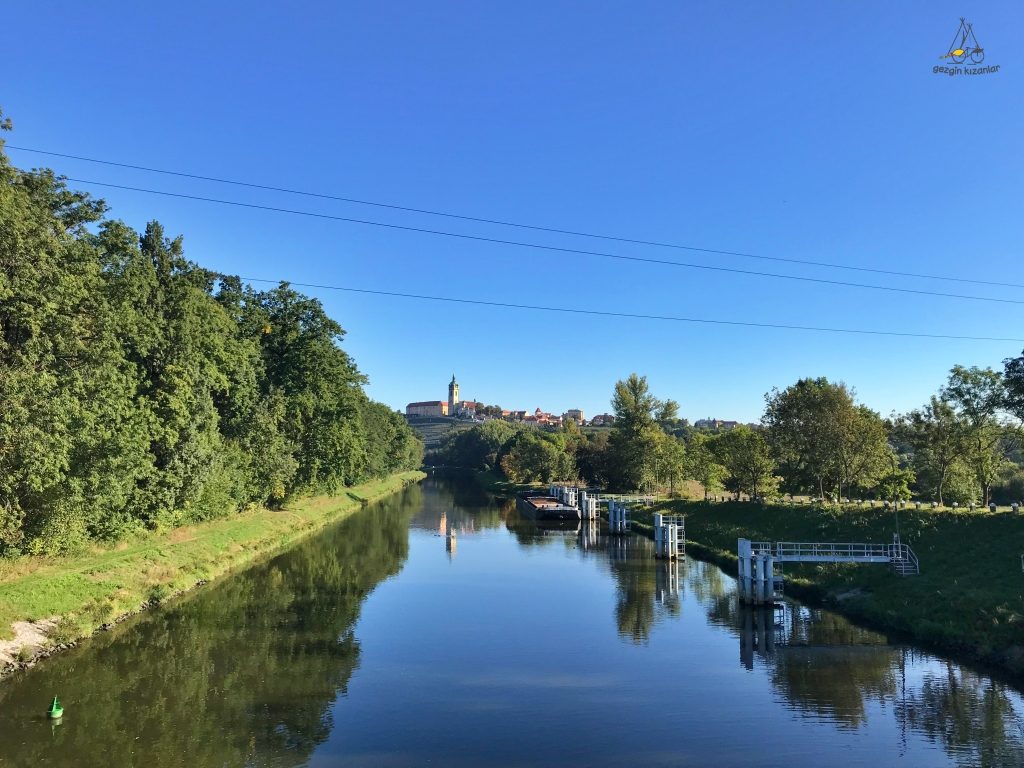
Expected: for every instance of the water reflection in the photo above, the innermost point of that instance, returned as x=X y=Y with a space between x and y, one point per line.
x=972 y=717
x=243 y=672
x=825 y=668
x=438 y=508
x=454 y=665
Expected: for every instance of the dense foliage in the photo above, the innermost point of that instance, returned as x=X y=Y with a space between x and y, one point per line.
x=138 y=389
x=964 y=446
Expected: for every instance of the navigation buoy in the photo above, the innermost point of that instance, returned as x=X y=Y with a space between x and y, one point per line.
x=56 y=710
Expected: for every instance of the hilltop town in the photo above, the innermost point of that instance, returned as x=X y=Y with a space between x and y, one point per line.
x=471 y=410
x=456 y=408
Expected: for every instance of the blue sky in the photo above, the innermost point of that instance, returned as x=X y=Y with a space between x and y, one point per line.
x=802 y=130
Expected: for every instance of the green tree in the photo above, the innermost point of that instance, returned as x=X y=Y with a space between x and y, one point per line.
x=477 y=447
x=978 y=396
x=139 y=389
x=748 y=462
x=533 y=456
x=669 y=465
x=593 y=459
x=937 y=437
x=636 y=439
x=702 y=463
x=822 y=439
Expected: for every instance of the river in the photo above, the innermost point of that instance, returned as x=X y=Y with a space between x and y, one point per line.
x=377 y=643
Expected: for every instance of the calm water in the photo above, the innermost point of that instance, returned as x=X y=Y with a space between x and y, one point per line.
x=374 y=645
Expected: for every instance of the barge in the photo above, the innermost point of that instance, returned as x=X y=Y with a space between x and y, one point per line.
x=540 y=507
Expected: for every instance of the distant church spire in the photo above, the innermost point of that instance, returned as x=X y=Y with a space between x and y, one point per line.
x=453 y=396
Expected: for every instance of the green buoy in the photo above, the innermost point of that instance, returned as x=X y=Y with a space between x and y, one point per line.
x=56 y=710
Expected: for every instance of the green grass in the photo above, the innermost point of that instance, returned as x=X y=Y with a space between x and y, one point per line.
x=969 y=598
x=93 y=588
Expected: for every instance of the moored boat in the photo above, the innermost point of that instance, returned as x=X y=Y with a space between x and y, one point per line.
x=541 y=507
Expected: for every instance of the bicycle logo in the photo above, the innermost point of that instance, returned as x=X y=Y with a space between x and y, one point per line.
x=965 y=45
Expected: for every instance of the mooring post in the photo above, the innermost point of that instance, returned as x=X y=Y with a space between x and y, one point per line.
x=743 y=554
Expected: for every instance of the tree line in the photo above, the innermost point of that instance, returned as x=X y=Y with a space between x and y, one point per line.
x=140 y=390
x=964 y=445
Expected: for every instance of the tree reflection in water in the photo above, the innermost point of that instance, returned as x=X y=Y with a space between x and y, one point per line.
x=242 y=673
x=460 y=502
x=827 y=668
x=648 y=590
x=971 y=716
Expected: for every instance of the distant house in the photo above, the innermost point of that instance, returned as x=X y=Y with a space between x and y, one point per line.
x=574 y=414
x=427 y=408
x=465 y=409
x=602 y=420
x=715 y=424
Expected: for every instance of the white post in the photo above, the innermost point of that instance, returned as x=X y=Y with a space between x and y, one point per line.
x=660 y=550
x=743 y=553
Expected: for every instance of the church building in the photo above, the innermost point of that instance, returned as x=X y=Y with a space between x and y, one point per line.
x=454 y=406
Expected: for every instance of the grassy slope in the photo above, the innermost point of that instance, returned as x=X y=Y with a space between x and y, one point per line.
x=433 y=430
x=93 y=588
x=969 y=598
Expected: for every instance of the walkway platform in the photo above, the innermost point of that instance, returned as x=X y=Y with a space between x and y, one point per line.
x=759 y=585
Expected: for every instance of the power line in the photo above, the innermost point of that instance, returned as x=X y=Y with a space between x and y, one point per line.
x=631 y=315
x=559 y=249
x=519 y=225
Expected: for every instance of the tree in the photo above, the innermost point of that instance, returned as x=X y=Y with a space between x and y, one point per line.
x=978 y=396
x=895 y=482
x=822 y=439
x=862 y=453
x=669 y=460
x=937 y=437
x=636 y=438
x=593 y=459
x=1013 y=386
x=139 y=389
x=702 y=464
x=478 y=447
x=748 y=462
x=532 y=456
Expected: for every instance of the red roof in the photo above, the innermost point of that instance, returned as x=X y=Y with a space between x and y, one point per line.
x=427 y=402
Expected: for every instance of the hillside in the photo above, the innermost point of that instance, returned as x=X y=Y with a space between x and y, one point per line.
x=433 y=429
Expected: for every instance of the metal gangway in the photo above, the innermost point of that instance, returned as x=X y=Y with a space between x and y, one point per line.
x=758 y=583
x=626 y=498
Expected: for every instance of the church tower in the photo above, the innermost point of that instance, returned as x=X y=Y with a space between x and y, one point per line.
x=453 y=396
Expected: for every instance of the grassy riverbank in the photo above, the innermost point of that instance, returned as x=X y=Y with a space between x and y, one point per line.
x=969 y=598
x=70 y=597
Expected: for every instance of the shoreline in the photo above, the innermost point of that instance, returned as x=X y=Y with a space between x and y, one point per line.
x=52 y=604
x=967 y=603
x=939 y=615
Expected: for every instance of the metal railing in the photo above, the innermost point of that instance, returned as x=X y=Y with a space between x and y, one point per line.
x=903 y=559
x=625 y=498
x=831 y=551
